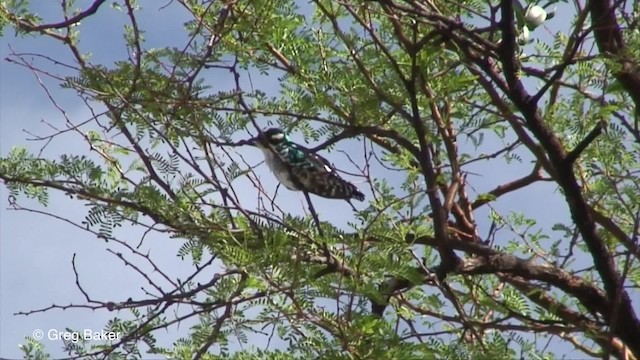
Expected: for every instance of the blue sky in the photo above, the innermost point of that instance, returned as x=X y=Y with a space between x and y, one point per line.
x=36 y=251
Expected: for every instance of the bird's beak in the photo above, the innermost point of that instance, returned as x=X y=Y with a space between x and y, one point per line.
x=254 y=141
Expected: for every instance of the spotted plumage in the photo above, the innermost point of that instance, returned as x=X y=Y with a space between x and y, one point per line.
x=299 y=169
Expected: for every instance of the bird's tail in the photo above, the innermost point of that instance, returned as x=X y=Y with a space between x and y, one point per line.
x=338 y=188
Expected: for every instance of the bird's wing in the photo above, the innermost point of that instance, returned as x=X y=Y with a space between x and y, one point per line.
x=312 y=161
x=319 y=174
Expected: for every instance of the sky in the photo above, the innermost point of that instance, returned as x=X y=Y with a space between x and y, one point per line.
x=36 y=251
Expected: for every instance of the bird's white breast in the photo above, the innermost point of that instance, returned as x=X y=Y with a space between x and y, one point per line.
x=278 y=168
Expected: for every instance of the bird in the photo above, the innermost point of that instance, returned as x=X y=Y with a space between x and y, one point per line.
x=299 y=169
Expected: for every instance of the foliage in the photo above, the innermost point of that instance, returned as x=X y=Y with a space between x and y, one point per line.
x=432 y=100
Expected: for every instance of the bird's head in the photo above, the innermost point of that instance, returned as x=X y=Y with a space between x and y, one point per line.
x=272 y=136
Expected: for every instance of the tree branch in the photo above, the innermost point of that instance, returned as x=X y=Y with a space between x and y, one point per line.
x=582 y=146
x=608 y=36
x=28 y=26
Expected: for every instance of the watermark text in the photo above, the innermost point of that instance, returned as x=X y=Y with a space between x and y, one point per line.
x=76 y=336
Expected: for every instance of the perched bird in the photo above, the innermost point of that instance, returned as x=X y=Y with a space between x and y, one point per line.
x=299 y=169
